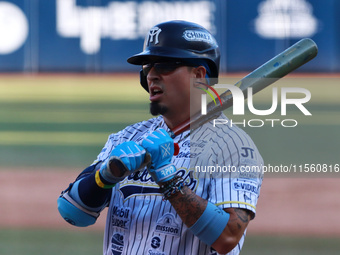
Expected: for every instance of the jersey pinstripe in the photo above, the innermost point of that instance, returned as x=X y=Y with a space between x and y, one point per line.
x=140 y=222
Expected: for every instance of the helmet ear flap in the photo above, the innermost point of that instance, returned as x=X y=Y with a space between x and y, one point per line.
x=143 y=81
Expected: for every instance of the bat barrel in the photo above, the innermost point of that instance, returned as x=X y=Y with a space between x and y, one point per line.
x=287 y=61
x=292 y=58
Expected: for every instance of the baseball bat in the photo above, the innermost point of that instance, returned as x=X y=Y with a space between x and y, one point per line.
x=282 y=64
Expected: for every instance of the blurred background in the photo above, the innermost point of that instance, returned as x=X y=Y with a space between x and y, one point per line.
x=99 y=35
x=65 y=86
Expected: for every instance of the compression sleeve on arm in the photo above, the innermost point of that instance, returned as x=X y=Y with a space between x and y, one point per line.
x=73 y=213
x=82 y=202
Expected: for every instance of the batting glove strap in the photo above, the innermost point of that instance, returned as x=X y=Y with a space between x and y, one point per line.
x=163 y=174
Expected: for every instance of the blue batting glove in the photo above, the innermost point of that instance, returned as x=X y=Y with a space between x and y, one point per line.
x=161 y=148
x=124 y=159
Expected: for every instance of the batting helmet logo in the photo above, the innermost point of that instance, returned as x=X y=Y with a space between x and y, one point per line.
x=153 y=34
x=192 y=35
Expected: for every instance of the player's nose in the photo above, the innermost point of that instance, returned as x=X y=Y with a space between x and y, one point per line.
x=153 y=76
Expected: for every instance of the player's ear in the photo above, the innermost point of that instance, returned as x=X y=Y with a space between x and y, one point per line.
x=200 y=72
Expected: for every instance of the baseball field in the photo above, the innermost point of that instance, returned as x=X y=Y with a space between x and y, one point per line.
x=53 y=126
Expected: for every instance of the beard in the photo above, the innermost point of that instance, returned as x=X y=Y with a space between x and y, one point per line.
x=156 y=109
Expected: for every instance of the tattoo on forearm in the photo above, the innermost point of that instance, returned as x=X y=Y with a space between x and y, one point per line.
x=242 y=214
x=188 y=205
x=239 y=221
x=239 y=226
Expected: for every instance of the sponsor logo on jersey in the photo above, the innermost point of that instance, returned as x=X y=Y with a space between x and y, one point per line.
x=156 y=242
x=247 y=156
x=245 y=186
x=117 y=244
x=185 y=144
x=194 y=151
x=247 y=152
x=155 y=252
x=187 y=154
x=247 y=175
x=121 y=217
x=167 y=225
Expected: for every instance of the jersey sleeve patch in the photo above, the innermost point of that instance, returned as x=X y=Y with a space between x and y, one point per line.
x=239 y=185
x=247 y=156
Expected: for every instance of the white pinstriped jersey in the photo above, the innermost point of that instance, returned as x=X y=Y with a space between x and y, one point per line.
x=140 y=222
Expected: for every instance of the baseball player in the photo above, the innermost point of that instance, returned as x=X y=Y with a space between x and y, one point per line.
x=161 y=202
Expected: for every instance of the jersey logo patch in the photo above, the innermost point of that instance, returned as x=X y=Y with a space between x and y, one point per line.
x=247 y=156
x=156 y=242
x=117 y=243
x=155 y=252
x=245 y=186
x=121 y=217
x=168 y=225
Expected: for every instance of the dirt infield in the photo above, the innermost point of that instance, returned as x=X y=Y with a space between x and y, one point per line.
x=286 y=206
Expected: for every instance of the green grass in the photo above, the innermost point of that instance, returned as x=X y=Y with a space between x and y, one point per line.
x=84 y=242
x=293 y=245
x=50 y=242
x=64 y=121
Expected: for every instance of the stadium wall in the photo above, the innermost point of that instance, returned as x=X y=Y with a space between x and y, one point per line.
x=99 y=35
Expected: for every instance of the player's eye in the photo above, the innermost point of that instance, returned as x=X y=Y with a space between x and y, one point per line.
x=162 y=68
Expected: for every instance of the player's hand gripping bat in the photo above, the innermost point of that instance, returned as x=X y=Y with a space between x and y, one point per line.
x=279 y=66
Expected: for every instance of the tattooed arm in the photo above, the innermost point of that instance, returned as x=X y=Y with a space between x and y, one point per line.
x=190 y=207
x=220 y=229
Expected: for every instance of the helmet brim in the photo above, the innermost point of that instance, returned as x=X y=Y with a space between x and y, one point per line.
x=156 y=54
